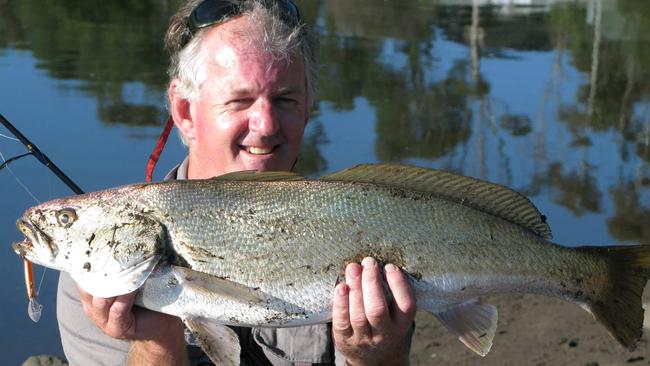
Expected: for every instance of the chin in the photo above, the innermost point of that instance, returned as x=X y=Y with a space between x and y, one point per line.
x=278 y=160
x=268 y=165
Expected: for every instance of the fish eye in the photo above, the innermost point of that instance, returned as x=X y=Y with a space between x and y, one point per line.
x=66 y=217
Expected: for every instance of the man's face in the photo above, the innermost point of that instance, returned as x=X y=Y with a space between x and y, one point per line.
x=251 y=112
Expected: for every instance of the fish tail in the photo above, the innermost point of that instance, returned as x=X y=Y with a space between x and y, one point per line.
x=618 y=305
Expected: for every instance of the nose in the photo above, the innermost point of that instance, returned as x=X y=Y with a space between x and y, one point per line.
x=262 y=120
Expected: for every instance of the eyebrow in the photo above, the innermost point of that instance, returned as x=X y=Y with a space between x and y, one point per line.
x=285 y=90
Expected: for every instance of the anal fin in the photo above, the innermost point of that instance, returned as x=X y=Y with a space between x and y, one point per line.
x=473 y=322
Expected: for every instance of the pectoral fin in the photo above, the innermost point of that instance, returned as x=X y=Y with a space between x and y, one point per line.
x=209 y=286
x=102 y=284
x=473 y=322
x=219 y=342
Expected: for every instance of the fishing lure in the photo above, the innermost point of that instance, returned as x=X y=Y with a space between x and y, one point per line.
x=33 y=308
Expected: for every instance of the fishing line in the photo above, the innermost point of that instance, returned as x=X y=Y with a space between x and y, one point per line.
x=17 y=179
x=9 y=137
x=40 y=283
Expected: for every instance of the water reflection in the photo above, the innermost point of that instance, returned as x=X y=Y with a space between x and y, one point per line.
x=630 y=219
x=106 y=45
x=553 y=100
x=427 y=104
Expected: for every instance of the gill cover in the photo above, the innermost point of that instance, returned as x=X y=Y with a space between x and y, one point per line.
x=119 y=258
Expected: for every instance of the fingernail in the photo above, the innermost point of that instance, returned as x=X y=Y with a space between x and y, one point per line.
x=390 y=268
x=368 y=262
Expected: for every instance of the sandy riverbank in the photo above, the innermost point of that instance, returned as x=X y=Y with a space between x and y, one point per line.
x=533 y=330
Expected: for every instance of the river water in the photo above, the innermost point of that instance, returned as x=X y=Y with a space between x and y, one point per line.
x=550 y=98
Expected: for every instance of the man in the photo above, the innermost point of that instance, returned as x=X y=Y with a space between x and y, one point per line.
x=242 y=83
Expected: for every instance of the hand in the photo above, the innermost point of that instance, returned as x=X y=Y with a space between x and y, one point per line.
x=157 y=335
x=366 y=329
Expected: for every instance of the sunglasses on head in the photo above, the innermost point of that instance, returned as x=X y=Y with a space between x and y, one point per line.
x=210 y=12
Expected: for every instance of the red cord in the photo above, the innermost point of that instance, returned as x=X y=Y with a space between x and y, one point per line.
x=155 y=155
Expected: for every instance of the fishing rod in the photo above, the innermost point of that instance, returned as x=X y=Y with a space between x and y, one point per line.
x=34 y=308
x=33 y=150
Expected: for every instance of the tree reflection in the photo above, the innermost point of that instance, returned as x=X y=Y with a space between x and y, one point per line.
x=527 y=32
x=620 y=81
x=425 y=121
x=575 y=190
x=104 y=44
x=311 y=161
x=516 y=124
x=414 y=117
x=11 y=31
x=630 y=219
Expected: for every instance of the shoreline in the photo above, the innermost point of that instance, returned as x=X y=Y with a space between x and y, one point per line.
x=532 y=330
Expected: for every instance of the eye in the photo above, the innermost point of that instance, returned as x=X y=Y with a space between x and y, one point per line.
x=239 y=103
x=66 y=217
x=285 y=102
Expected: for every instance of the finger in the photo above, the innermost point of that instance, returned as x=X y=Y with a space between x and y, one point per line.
x=99 y=308
x=121 y=320
x=358 y=319
x=341 y=327
x=86 y=300
x=404 y=303
x=84 y=296
x=374 y=299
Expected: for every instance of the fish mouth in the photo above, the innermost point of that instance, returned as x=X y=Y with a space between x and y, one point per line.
x=35 y=241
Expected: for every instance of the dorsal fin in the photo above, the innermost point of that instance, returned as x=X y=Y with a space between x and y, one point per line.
x=492 y=198
x=257 y=176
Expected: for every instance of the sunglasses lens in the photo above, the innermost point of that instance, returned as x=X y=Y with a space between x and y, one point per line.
x=290 y=11
x=211 y=11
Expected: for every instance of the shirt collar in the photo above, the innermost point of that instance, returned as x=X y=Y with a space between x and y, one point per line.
x=179 y=172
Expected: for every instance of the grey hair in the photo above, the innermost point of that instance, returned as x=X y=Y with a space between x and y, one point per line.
x=278 y=39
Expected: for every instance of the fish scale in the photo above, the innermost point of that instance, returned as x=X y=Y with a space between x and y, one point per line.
x=288 y=252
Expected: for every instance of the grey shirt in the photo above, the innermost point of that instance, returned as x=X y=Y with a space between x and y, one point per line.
x=85 y=344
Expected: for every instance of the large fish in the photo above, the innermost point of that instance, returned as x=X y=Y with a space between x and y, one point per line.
x=267 y=249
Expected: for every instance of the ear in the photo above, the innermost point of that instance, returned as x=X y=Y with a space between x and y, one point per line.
x=180 y=111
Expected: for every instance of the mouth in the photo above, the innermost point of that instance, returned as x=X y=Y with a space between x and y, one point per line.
x=35 y=239
x=258 y=150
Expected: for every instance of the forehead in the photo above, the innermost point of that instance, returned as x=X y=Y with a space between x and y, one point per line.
x=242 y=41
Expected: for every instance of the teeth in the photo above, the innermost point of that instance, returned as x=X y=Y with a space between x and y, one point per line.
x=259 y=150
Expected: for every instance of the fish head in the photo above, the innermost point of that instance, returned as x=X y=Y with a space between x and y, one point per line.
x=102 y=232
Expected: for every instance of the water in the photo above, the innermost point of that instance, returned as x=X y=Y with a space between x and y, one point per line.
x=551 y=99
